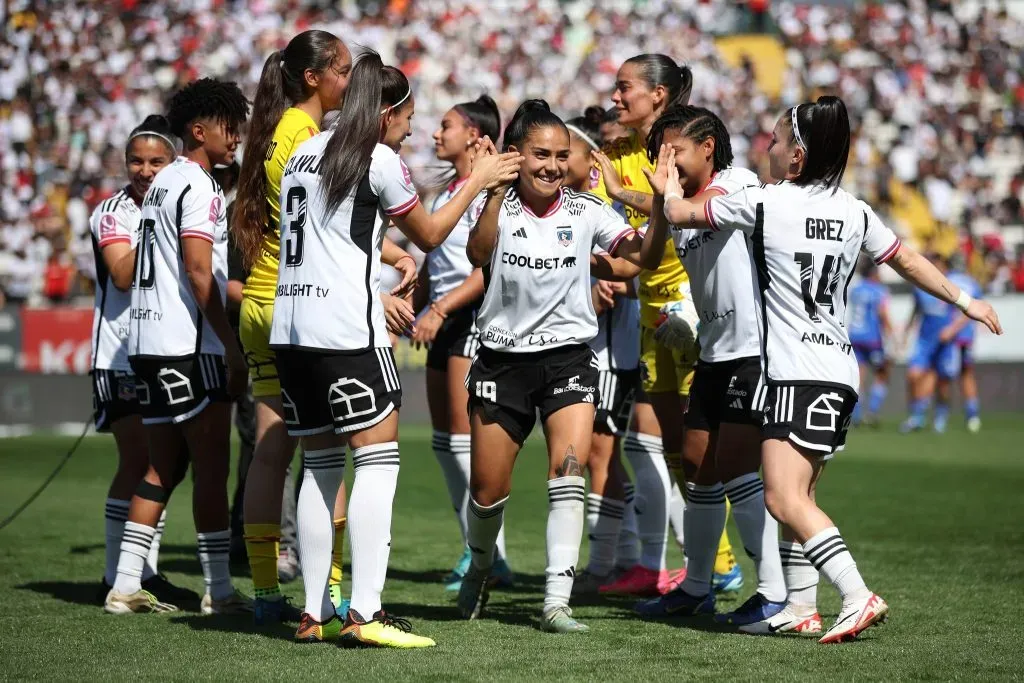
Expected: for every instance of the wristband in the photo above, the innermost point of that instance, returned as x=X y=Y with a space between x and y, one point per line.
x=437 y=310
x=963 y=301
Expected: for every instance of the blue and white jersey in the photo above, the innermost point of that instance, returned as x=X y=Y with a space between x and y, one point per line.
x=968 y=284
x=864 y=319
x=935 y=315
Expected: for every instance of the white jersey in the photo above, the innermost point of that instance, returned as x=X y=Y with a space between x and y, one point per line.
x=115 y=220
x=328 y=283
x=721 y=283
x=538 y=279
x=805 y=242
x=448 y=266
x=617 y=344
x=184 y=202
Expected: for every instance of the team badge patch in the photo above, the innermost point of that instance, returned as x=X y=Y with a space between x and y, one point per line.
x=215 y=209
x=564 y=236
x=108 y=226
x=126 y=390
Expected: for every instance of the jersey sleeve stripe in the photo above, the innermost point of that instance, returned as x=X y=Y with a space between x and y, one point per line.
x=618 y=240
x=709 y=215
x=106 y=241
x=888 y=253
x=403 y=209
x=185 y=234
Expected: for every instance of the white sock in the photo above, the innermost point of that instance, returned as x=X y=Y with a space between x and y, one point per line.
x=150 y=570
x=485 y=523
x=499 y=542
x=564 y=534
x=457 y=485
x=705 y=520
x=827 y=552
x=677 y=514
x=322 y=473
x=759 y=532
x=114 y=517
x=214 y=550
x=801 y=578
x=604 y=518
x=627 y=551
x=460 y=449
x=134 y=549
x=369 y=522
x=653 y=489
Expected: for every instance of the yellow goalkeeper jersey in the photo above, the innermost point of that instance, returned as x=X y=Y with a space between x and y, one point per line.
x=294 y=128
x=657 y=287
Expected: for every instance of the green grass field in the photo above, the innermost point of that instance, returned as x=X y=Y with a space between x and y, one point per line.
x=935 y=523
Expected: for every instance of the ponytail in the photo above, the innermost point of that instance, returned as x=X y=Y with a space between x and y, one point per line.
x=483 y=115
x=822 y=128
x=697 y=124
x=282 y=84
x=357 y=129
x=658 y=69
x=530 y=114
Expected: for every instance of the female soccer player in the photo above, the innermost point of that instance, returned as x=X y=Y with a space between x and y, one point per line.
x=451 y=291
x=806 y=234
x=339 y=383
x=535 y=240
x=869 y=328
x=646 y=85
x=182 y=349
x=722 y=441
x=297 y=87
x=113 y=227
x=616 y=348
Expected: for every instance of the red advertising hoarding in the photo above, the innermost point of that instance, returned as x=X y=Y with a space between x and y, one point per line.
x=56 y=340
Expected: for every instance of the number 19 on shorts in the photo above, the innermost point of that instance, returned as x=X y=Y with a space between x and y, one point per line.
x=487 y=390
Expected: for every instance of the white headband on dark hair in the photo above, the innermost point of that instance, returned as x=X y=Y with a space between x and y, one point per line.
x=397 y=104
x=582 y=136
x=163 y=137
x=796 y=128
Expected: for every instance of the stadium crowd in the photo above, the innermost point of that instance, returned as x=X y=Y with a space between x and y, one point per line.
x=937 y=94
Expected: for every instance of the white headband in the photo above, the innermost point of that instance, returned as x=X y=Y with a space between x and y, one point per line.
x=582 y=136
x=170 y=143
x=796 y=128
x=397 y=104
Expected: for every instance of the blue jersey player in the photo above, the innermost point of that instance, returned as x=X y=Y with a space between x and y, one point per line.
x=869 y=328
x=933 y=358
x=961 y=332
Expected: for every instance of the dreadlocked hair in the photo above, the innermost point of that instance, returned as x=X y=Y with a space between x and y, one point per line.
x=697 y=124
x=207 y=98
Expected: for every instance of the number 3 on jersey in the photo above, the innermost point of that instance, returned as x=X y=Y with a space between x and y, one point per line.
x=295 y=210
x=827 y=284
x=487 y=390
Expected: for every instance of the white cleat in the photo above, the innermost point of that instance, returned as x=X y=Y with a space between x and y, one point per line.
x=855 y=618
x=974 y=424
x=234 y=604
x=138 y=602
x=786 y=621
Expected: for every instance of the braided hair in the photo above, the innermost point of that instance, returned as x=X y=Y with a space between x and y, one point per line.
x=697 y=124
x=207 y=98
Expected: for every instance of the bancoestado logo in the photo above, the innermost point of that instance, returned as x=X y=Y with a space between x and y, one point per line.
x=538 y=263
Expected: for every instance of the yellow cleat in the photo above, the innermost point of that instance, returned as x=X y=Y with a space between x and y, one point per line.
x=383 y=630
x=138 y=602
x=312 y=631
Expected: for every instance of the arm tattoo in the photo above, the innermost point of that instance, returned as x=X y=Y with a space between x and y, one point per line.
x=570 y=466
x=693 y=218
x=632 y=197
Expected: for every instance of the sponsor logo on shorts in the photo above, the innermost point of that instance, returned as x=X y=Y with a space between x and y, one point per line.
x=732 y=390
x=823 y=411
x=574 y=385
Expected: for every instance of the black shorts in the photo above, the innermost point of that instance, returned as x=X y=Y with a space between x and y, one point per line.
x=346 y=392
x=458 y=336
x=509 y=388
x=813 y=416
x=176 y=389
x=113 y=397
x=724 y=392
x=618 y=389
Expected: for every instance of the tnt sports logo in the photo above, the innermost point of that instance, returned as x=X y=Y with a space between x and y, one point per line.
x=823 y=413
x=564 y=236
x=350 y=398
x=108 y=226
x=215 y=207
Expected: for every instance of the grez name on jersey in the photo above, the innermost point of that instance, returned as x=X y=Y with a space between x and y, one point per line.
x=538 y=263
x=830 y=229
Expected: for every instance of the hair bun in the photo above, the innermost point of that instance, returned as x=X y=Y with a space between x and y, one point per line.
x=487 y=101
x=594 y=114
x=532 y=105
